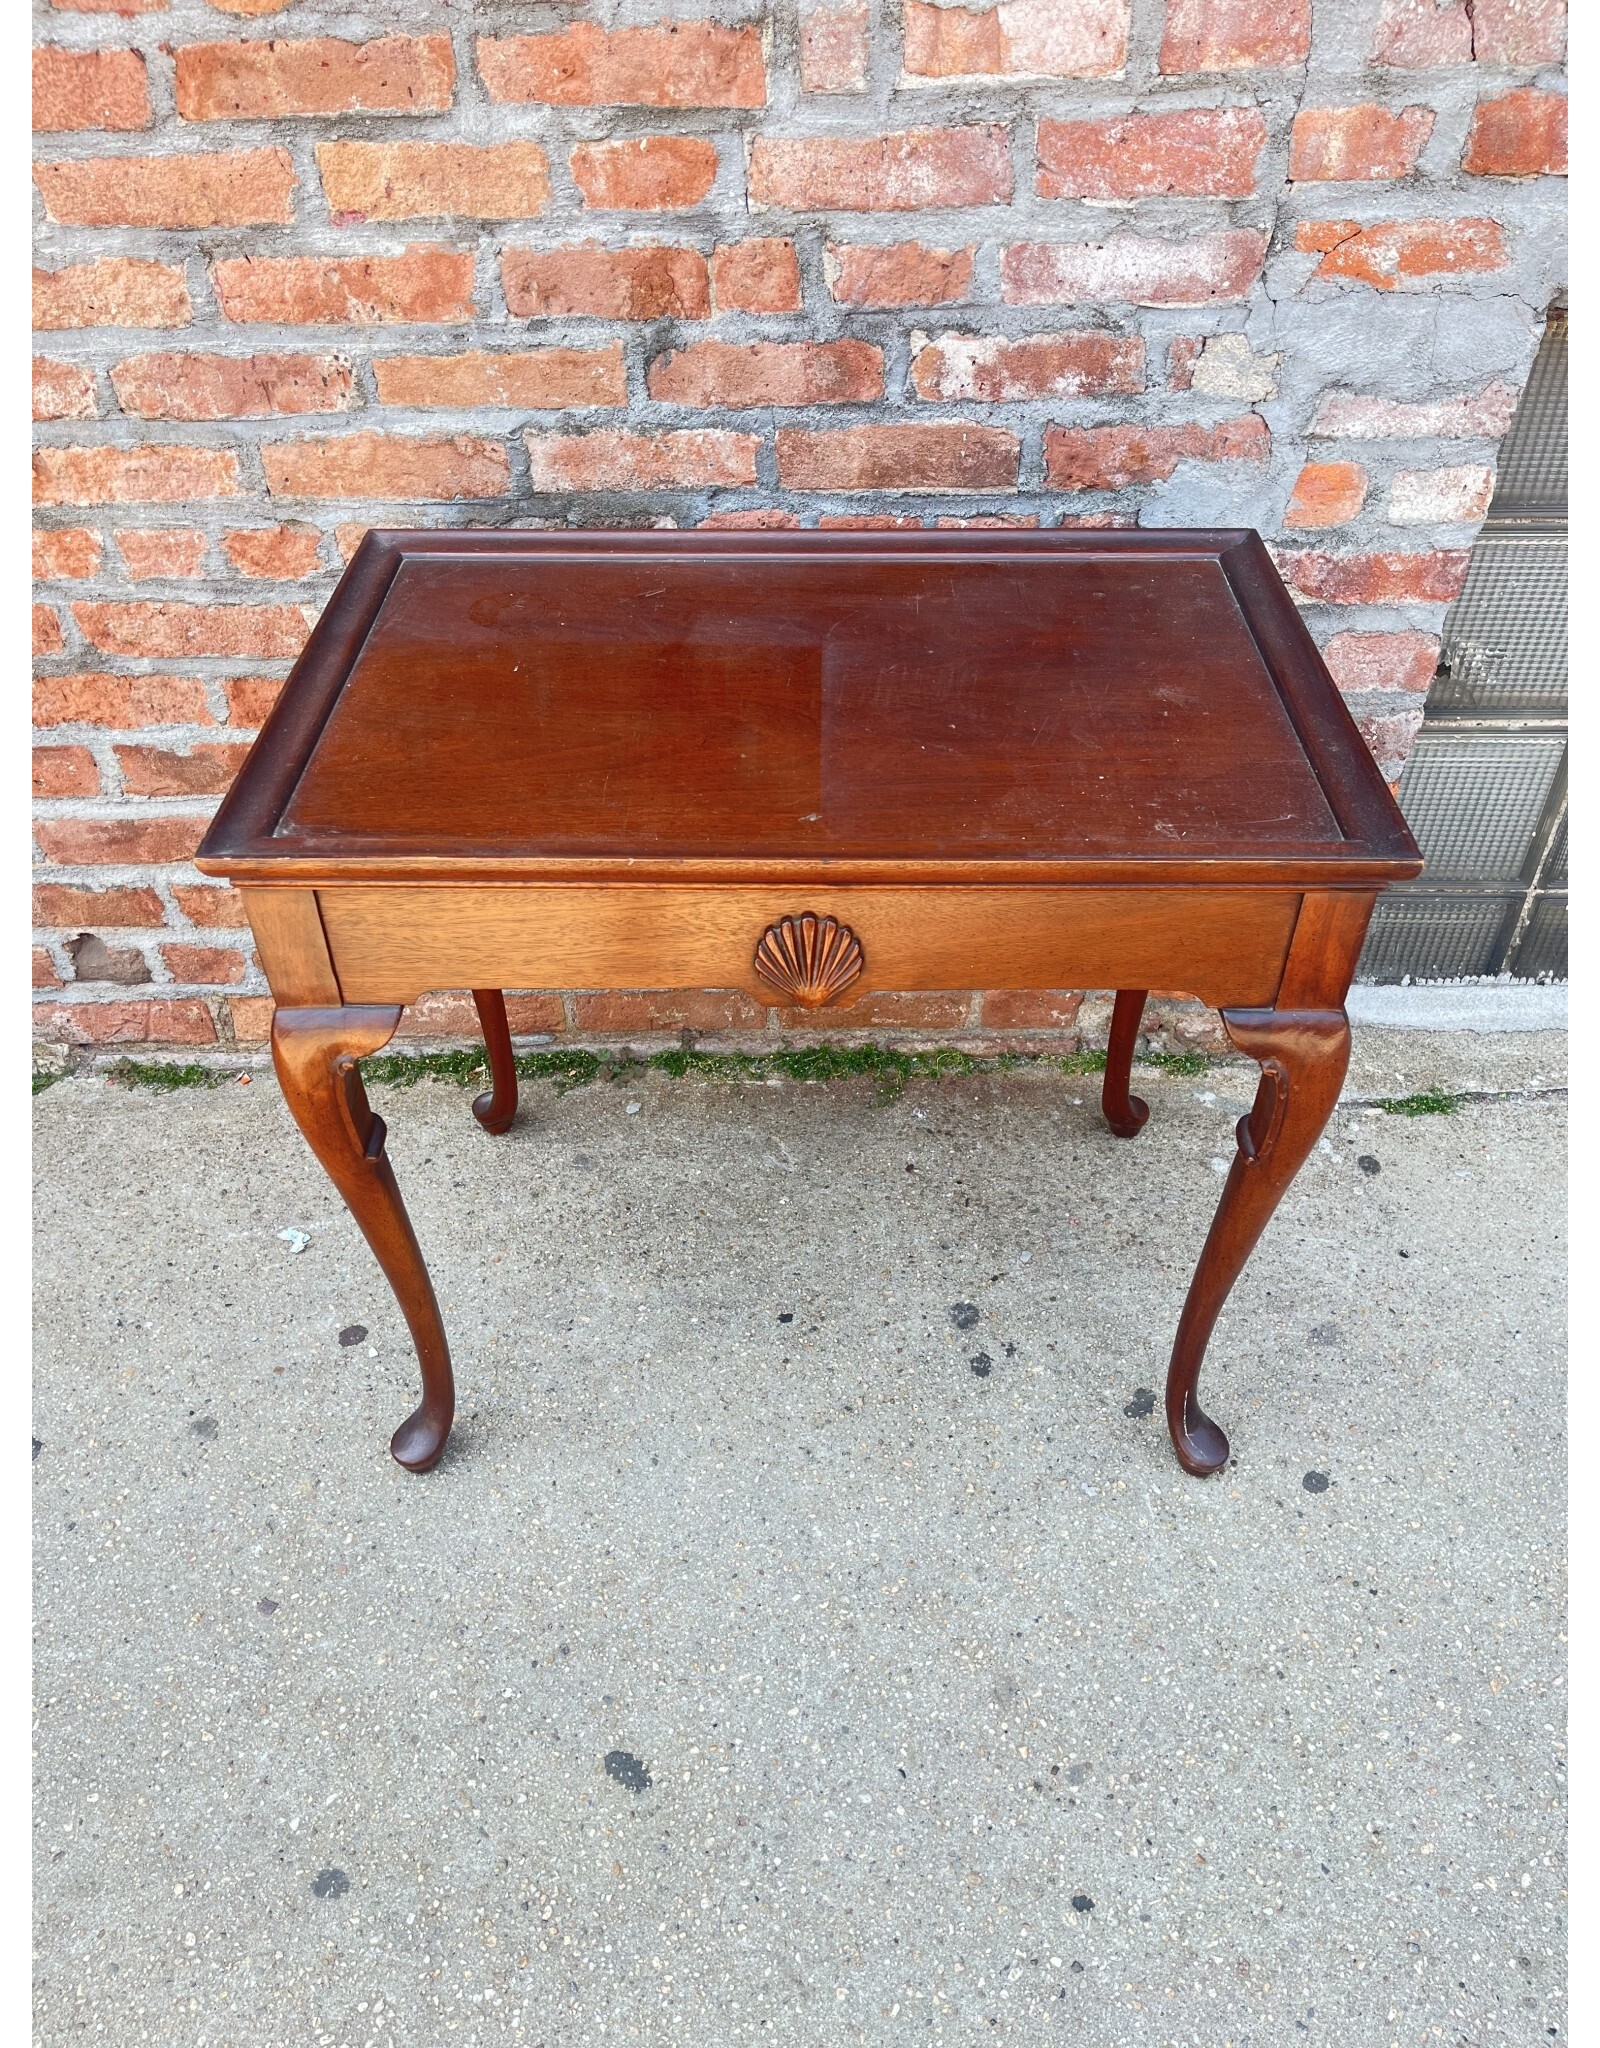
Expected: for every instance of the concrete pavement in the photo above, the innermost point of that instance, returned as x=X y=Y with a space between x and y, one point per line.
x=809 y=1637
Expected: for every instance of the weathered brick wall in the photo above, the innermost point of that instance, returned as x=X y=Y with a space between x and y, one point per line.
x=1087 y=262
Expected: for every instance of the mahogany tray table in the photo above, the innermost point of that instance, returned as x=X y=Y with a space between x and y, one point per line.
x=808 y=765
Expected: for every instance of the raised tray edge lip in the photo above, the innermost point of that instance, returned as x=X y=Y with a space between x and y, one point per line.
x=241 y=840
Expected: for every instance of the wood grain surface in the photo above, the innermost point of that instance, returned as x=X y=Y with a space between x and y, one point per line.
x=392 y=942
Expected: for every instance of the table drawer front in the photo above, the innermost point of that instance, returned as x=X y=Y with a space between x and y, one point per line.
x=392 y=944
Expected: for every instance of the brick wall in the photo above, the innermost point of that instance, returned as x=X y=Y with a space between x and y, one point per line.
x=1277 y=263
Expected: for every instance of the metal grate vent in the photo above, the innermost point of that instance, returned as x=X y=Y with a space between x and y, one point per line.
x=1532 y=479
x=1485 y=788
x=1542 y=953
x=1505 y=640
x=1437 y=938
x=1474 y=800
x=1555 y=870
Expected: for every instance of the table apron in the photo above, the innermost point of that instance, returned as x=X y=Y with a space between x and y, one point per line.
x=392 y=944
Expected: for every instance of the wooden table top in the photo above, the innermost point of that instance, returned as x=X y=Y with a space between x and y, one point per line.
x=845 y=705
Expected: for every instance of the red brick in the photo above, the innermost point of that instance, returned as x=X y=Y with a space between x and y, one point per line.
x=398 y=466
x=676 y=64
x=64 y=551
x=44 y=969
x=163 y=551
x=123 y=702
x=1391 y=252
x=898 y=274
x=65 y=771
x=1019 y=39
x=250 y=1016
x=118 y=291
x=211 y=909
x=202 y=966
x=761 y=275
x=1350 y=143
x=995 y=369
x=449 y=1013
x=273 y=551
x=250 y=7
x=527 y=1012
x=1235 y=35
x=184 y=1021
x=1031 y=1009
x=47 y=636
x=160 y=771
x=764 y=519
x=250 y=698
x=204 y=387
x=103 y=842
x=612 y=284
x=1413 y=34
x=614 y=460
x=1108 y=458
x=1182 y=356
x=1519 y=31
x=1389 y=736
x=168 y=473
x=1483 y=415
x=408 y=180
x=1327 y=494
x=57 y=905
x=712 y=373
x=668 y=1009
x=258 y=80
x=652 y=172
x=89 y=89
x=1430 y=497
x=1135 y=270
x=266 y=632
x=889 y=1009
x=200 y=189
x=835 y=46
x=544 y=379
x=1361 y=662
x=1520 y=135
x=949 y=457
x=1096 y=522
x=882 y=173
x=424 y=283
x=658 y=173
x=1433 y=578
x=1199 y=154
x=112 y=6
x=348 y=536
x=62 y=391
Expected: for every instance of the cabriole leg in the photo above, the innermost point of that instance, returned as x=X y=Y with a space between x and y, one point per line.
x=315 y=1052
x=1303 y=1056
x=1125 y=1113
x=498 y=1105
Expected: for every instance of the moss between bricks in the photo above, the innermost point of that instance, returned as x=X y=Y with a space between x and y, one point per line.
x=466 y=1067
x=579 y=1069
x=1432 y=1102
x=165 y=1075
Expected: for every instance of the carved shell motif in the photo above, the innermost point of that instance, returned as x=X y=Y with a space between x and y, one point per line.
x=809 y=959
